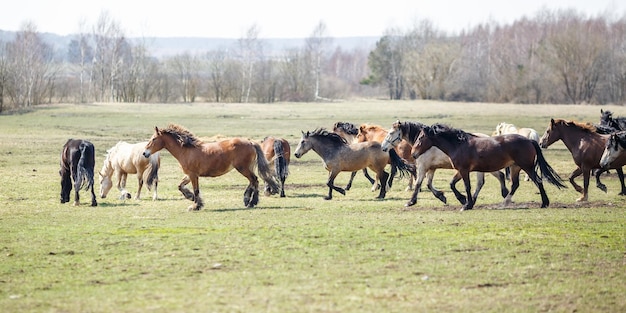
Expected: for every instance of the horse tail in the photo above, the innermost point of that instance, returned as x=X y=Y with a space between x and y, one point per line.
x=398 y=163
x=546 y=170
x=280 y=162
x=85 y=168
x=155 y=163
x=264 y=169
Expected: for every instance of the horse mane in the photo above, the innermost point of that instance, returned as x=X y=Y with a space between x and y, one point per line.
x=449 y=133
x=411 y=129
x=183 y=136
x=583 y=126
x=327 y=135
x=349 y=128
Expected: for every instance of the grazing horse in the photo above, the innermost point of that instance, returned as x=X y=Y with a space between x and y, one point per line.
x=430 y=161
x=78 y=159
x=200 y=159
x=340 y=156
x=368 y=132
x=123 y=159
x=586 y=147
x=349 y=132
x=470 y=153
x=278 y=152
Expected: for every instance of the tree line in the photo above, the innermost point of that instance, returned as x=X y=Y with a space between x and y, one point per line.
x=554 y=57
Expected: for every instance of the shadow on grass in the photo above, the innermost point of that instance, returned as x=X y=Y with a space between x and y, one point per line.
x=257 y=208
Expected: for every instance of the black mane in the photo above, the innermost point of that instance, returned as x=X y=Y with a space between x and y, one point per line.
x=411 y=129
x=326 y=135
x=607 y=119
x=349 y=128
x=449 y=133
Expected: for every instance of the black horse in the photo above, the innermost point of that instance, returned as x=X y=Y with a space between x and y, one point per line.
x=78 y=160
x=607 y=120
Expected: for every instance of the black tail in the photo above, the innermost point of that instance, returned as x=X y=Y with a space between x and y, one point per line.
x=155 y=163
x=280 y=163
x=85 y=168
x=546 y=170
x=264 y=169
x=398 y=163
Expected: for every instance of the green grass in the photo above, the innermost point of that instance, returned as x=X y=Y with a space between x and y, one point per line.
x=300 y=253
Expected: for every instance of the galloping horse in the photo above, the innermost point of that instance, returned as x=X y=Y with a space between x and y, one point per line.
x=506 y=128
x=78 y=159
x=278 y=152
x=615 y=148
x=586 y=147
x=340 y=156
x=470 y=153
x=200 y=159
x=123 y=159
x=607 y=119
x=369 y=132
x=430 y=161
x=349 y=132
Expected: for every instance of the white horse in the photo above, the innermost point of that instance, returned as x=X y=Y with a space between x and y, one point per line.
x=123 y=159
x=506 y=128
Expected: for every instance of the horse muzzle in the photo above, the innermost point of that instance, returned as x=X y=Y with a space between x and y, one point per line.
x=297 y=155
x=146 y=153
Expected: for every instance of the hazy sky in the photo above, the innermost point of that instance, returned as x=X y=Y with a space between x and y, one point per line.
x=281 y=18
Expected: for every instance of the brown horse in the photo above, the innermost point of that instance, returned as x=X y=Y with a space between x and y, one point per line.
x=586 y=146
x=428 y=162
x=78 y=159
x=340 y=156
x=278 y=152
x=471 y=153
x=200 y=159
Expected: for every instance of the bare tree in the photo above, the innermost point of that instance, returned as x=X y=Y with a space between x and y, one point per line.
x=109 y=42
x=250 y=50
x=316 y=46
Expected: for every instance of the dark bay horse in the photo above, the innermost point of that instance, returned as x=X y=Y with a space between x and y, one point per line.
x=586 y=146
x=278 y=152
x=430 y=161
x=340 y=156
x=469 y=153
x=200 y=159
x=78 y=159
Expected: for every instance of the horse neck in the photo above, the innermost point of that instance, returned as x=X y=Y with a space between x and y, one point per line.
x=573 y=135
x=174 y=147
x=410 y=132
x=325 y=150
x=107 y=168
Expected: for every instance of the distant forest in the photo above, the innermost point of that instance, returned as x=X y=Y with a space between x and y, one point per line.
x=555 y=57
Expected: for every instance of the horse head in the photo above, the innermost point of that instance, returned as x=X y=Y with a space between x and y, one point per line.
x=393 y=137
x=615 y=146
x=304 y=145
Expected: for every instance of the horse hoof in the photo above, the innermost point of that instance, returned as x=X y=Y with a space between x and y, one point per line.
x=410 y=203
x=327 y=198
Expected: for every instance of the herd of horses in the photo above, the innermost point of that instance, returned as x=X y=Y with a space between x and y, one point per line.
x=410 y=148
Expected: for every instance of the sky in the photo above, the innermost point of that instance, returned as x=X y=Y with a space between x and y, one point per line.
x=281 y=18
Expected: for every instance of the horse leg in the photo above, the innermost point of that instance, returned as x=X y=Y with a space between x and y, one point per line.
x=585 y=195
x=468 y=190
x=349 y=185
x=383 y=177
x=571 y=178
x=66 y=186
x=502 y=179
x=599 y=184
x=121 y=184
x=93 y=197
x=184 y=190
x=620 y=175
x=514 y=184
x=480 y=181
x=77 y=184
x=331 y=185
x=421 y=173
x=197 y=200
x=437 y=193
x=459 y=196
x=139 y=184
x=545 y=202
x=282 y=186
x=368 y=176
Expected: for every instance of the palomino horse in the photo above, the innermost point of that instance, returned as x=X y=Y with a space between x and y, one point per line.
x=506 y=128
x=369 y=132
x=123 y=159
x=470 y=153
x=586 y=147
x=78 y=159
x=430 y=161
x=340 y=156
x=200 y=159
x=349 y=132
x=278 y=152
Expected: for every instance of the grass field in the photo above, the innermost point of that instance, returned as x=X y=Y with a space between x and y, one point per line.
x=300 y=253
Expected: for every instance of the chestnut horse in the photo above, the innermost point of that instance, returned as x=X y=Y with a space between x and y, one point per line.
x=200 y=159
x=123 y=159
x=471 y=153
x=430 y=161
x=586 y=147
x=278 y=152
x=340 y=156
x=78 y=159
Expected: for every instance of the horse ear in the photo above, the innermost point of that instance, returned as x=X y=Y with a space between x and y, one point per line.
x=551 y=121
x=156 y=129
